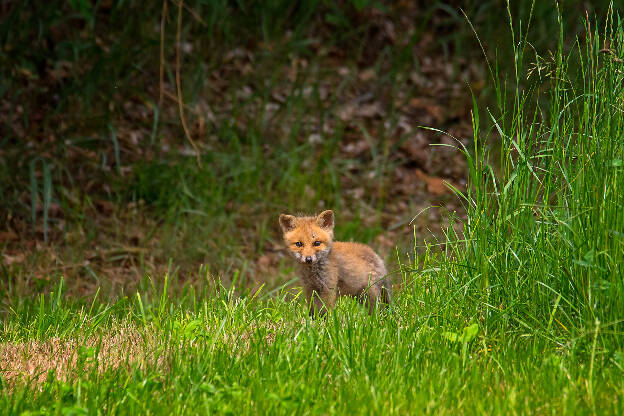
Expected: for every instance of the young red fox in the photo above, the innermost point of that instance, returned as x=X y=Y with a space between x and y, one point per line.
x=329 y=268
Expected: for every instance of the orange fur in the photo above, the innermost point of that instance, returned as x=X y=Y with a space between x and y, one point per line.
x=331 y=268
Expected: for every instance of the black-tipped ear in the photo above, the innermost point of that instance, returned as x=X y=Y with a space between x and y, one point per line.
x=326 y=219
x=287 y=222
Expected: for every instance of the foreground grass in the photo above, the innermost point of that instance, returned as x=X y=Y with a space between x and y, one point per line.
x=225 y=353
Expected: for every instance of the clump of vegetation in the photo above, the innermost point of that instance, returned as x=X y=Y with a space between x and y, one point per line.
x=542 y=247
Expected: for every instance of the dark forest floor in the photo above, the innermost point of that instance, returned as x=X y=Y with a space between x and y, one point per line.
x=301 y=123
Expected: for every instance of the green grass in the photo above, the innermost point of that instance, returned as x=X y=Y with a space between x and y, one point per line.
x=519 y=313
x=223 y=353
x=544 y=238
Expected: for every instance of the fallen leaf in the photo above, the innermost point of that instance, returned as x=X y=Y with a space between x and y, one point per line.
x=429 y=106
x=8 y=236
x=315 y=138
x=346 y=112
x=264 y=262
x=417 y=148
x=356 y=148
x=435 y=185
x=367 y=75
x=18 y=258
x=385 y=242
x=369 y=110
x=357 y=193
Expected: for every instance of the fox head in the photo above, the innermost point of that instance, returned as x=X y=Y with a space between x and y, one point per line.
x=308 y=239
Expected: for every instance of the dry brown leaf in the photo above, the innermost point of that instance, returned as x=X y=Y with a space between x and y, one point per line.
x=346 y=112
x=416 y=147
x=384 y=241
x=264 y=262
x=367 y=75
x=429 y=106
x=435 y=185
x=370 y=110
x=17 y=258
x=356 y=148
x=8 y=236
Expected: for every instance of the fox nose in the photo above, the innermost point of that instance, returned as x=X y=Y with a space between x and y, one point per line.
x=308 y=259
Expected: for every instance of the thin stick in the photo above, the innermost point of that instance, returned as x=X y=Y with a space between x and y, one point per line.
x=174 y=98
x=161 y=74
x=179 y=85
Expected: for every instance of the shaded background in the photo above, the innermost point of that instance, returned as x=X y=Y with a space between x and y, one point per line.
x=138 y=138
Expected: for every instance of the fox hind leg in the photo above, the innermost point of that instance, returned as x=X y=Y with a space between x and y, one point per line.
x=378 y=291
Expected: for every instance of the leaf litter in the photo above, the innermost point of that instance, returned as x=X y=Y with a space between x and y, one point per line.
x=358 y=93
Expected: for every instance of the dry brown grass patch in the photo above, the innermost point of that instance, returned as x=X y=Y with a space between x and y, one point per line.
x=122 y=346
x=33 y=360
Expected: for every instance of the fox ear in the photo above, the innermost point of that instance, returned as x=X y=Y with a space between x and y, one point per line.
x=287 y=222
x=326 y=219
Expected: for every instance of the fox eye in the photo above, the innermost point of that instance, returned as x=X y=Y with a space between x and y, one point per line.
x=299 y=244
x=317 y=243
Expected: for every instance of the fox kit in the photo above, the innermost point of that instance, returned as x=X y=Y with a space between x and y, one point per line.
x=329 y=268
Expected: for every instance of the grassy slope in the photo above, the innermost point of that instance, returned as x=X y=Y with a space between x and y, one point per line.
x=521 y=314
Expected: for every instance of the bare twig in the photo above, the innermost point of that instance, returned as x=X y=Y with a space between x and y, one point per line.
x=161 y=75
x=174 y=98
x=195 y=15
x=179 y=85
